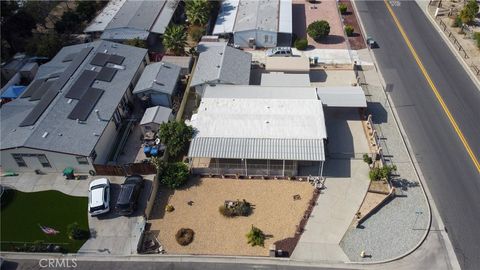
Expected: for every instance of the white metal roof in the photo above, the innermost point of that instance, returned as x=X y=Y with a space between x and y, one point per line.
x=226 y=17
x=285 y=21
x=272 y=127
x=288 y=64
x=259 y=92
x=248 y=15
x=349 y=96
x=103 y=19
x=285 y=79
x=248 y=148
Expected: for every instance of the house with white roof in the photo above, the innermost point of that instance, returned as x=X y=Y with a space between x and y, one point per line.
x=248 y=130
x=262 y=23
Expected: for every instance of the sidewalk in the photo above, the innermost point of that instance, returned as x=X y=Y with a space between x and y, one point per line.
x=401 y=224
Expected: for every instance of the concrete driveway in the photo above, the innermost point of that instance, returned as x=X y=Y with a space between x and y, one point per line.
x=346 y=185
x=115 y=234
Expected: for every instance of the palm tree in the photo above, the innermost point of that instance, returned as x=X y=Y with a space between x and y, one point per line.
x=175 y=39
x=198 y=11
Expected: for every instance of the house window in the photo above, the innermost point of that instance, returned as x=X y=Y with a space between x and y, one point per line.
x=19 y=160
x=117 y=119
x=44 y=161
x=82 y=160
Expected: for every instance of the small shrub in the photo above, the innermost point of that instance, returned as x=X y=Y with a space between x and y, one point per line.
x=169 y=208
x=196 y=32
x=476 y=36
x=385 y=172
x=318 y=29
x=301 y=44
x=343 y=8
x=75 y=233
x=255 y=237
x=184 y=236
x=457 y=22
x=174 y=175
x=239 y=208
x=226 y=211
x=349 y=30
x=367 y=159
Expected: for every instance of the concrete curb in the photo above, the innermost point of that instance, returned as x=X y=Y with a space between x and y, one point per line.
x=407 y=148
x=462 y=61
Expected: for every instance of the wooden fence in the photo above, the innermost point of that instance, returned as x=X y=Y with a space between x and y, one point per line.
x=126 y=169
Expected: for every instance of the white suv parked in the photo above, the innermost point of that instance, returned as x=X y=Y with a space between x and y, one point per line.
x=99 y=197
x=279 y=51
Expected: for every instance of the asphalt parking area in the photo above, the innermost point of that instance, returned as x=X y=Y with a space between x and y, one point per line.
x=115 y=234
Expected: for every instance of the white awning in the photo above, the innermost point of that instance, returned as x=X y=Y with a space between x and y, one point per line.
x=285 y=21
x=352 y=96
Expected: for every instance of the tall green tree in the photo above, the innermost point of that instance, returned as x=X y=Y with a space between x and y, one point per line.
x=175 y=39
x=86 y=9
x=175 y=135
x=198 y=11
x=469 y=12
x=70 y=23
x=39 y=10
x=46 y=45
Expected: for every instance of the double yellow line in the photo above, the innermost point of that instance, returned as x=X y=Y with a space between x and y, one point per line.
x=434 y=89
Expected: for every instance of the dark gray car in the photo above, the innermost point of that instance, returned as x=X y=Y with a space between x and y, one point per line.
x=129 y=193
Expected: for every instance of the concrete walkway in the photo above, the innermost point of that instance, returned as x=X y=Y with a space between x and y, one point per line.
x=346 y=185
x=335 y=209
x=31 y=182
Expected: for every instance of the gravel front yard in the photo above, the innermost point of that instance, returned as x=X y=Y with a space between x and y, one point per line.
x=275 y=212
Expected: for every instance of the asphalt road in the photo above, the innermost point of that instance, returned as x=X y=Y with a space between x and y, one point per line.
x=131 y=265
x=449 y=171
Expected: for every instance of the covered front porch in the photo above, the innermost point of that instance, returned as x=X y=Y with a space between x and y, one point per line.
x=255 y=167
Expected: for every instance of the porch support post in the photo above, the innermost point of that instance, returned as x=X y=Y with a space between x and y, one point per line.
x=321 y=169
x=246 y=170
x=268 y=166
x=283 y=168
x=218 y=166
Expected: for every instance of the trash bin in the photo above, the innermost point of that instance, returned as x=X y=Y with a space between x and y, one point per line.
x=68 y=173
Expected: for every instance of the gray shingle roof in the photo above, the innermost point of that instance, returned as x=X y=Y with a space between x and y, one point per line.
x=159 y=77
x=66 y=135
x=219 y=63
x=157 y=114
x=136 y=19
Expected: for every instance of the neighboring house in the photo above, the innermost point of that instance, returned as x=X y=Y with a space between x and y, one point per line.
x=75 y=110
x=258 y=131
x=158 y=84
x=184 y=62
x=262 y=23
x=154 y=117
x=219 y=63
x=130 y=19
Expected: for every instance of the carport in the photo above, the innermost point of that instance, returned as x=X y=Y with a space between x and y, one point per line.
x=349 y=97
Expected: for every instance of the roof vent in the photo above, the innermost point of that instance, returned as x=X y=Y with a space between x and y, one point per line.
x=105 y=51
x=45 y=134
x=96 y=134
x=60 y=134
x=218 y=66
x=13 y=130
x=69 y=100
x=267 y=122
x=81 y=122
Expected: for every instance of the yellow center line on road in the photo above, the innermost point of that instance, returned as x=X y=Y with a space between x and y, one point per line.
x=434 y=89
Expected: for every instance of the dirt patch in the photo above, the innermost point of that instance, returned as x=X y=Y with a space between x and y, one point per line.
x=356 y=41
x=275 y=212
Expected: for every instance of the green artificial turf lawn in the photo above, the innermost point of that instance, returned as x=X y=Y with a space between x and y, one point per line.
x=22 y=213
